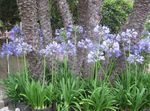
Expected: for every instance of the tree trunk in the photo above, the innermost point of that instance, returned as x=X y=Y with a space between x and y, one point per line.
x=45 y=25
x=65 y=12
x=44 y=20
x=28 y=16
x=89 y=18
x=135 y=21
x=89 y=13
x=138 y=16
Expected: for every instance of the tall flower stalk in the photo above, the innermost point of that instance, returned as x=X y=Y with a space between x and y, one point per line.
x=25 y=64
x=8 y=62
x=44 y=71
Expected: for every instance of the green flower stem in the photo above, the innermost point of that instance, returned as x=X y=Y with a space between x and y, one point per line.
x=44 y=66
x=96 y=74
x=52 y=72
x=65 y=66
x=136 y=73
x=75 y=57
x=25 y=64
x=8 y=62
x=18 y=63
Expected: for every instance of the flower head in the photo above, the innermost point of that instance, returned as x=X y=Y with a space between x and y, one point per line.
x=135 y=58
x=94 y=56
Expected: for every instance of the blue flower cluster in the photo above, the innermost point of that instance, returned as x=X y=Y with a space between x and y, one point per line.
x=16 y=45
x=108 y=45
x=115 y=45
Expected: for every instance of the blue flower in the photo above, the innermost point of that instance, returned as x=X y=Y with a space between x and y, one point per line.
x=22 y=48
x=7 y=49
x=15 y=31
x=94 y=56
x=86 y=44
x=68 y=49
x=135 y=58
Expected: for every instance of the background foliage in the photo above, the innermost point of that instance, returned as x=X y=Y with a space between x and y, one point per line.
x=9 y=13
x=114 y=12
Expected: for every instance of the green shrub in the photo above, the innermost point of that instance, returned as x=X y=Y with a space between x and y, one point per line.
x=115 y=13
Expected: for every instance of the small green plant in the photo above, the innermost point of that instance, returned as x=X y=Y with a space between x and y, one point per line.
x=51 y=94
x=37 y=95
x=70 y=90
x=146 y=82
x=14 y=85
x=98 y=99
x=130 y=90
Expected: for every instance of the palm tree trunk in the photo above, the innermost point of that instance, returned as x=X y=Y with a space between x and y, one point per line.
x=135 y=21
x=65 y=12
x=28 y=16
x=44 y=20
x=138 y=16
x=89 y=18
x=89 y=12
x=45 y=25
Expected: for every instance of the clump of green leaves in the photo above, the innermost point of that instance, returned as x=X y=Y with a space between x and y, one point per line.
x=130 y=89
x=37 y=95
x=14 y=86
x=98 y=98
x=70 y=89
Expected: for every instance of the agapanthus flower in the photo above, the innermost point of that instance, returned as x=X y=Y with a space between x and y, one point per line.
x=105 y=30
x=128 y=36
x=68 y=49
x=86 y=44
x=53 y=48
x=79 y=29
x=7 y=49
x=111 y=48
x=22 y=48
x=69 y=28
x=42 y=52
x=94 y=56
x=16 y=47
x=97 y=28
x=62 y=35
x=144 y=45
x=135 y=59
x=101 y=29
x=15 y=31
